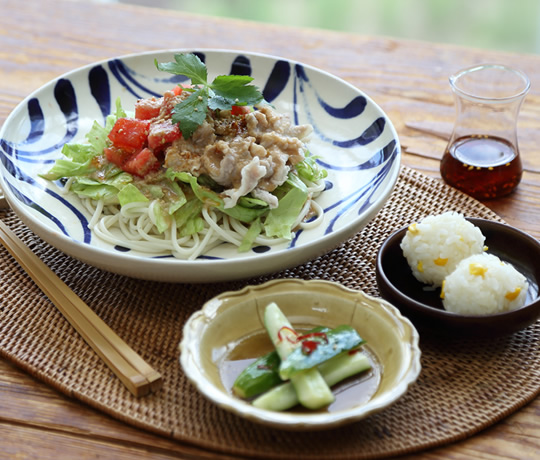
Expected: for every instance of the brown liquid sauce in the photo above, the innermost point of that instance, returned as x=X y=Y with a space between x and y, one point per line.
x=482 y=166
x=354 y=391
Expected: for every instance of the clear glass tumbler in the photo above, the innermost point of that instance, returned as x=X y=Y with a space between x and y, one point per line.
x=482 y=156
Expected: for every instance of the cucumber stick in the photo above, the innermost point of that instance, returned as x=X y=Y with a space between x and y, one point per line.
x=334 y=342
x=334 y=370
x=313 y=392
x=261 y=375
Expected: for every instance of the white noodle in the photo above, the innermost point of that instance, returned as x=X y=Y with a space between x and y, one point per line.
x=317 y=220
x=133 y=226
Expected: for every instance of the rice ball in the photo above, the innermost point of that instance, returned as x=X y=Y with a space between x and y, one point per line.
x=435 y=246
x=482 y=285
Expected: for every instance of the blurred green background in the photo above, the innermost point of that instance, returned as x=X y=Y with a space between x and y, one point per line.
x=505 y=25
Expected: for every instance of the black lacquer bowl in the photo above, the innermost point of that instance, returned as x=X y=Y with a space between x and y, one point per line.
x=424 y=307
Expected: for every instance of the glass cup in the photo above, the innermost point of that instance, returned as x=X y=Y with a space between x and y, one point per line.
x=482 y=156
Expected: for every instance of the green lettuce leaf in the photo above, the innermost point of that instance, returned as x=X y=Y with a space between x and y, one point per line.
x=254 y=231
x=204 y=194
x=162 y=220
x=310 y=170
x=96 y=191
x=247 y=209
x=244 y=214
x=280 y=220
x=68 y=168
x=131 y=194
x=97 y=137
x=188 y=218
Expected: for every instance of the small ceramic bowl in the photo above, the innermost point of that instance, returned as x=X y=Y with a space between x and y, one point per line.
x=212 y=335
x=424 y=307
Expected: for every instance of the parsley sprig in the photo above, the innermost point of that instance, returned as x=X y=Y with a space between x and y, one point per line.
x=224 y=92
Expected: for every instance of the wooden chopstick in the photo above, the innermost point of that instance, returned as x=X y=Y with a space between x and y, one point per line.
x=139 y=378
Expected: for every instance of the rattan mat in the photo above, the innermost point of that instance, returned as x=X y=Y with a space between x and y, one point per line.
x=465 y=385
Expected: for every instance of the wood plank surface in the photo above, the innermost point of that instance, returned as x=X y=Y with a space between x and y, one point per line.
x=408 y=79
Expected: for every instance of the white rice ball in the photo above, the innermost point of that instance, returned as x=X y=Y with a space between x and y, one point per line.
x=435 y=246
x=482 y=285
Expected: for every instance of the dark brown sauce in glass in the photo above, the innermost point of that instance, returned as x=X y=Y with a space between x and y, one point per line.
x=482 y=166
x=353 y=391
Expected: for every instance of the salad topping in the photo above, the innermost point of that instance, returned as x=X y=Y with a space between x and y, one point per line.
x=187 y=158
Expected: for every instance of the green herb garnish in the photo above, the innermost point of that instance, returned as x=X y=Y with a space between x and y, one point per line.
x=224 y=92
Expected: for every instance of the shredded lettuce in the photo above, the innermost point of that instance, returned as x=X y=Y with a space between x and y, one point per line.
x=96 y=191
x=161 y=220
x=97 y=136
x=68 y=168
x=280 y=220
x=188 y=218
x=309 y=170
x=131 y=194
x=245 y=210
x=181 y=196
x=120 y=113
x=203 y=193
x=249 y=239
x=98 y=180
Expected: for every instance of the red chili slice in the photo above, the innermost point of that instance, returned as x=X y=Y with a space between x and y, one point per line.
x=292 y=331
x=309 y=346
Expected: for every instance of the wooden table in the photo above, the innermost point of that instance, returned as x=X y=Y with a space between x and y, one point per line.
x=407 y=79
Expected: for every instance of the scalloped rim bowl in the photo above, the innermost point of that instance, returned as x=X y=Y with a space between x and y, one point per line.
x=231 y=316
x=397 y=284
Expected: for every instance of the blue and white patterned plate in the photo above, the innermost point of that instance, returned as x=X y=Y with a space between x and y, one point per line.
x=355 y=140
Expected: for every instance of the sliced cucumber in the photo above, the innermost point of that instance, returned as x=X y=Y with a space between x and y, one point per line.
x=335 y=370
x=261 y=375
x=312 y=390
x=324 y=346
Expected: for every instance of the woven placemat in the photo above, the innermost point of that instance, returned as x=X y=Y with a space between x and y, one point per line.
x=464 y=386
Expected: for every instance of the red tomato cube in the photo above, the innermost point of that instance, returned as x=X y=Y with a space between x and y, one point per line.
x=145 y=109
x=129 y=134
x=240 y=109
x=161 y=134
x=141 y=163
x=116 y=155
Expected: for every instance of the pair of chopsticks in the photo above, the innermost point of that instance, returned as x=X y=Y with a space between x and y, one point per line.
x=139 y=378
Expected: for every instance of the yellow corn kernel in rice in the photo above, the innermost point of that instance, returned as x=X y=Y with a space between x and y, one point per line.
x=477 y=269
x=413 y=229
x=483 y=284
x=440 y=261
x=420 y=267
x=513 y=294
x=440 y=242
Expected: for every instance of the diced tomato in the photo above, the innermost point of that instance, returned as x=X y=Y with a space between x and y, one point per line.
x=129 y=134
x=161 y=134
x=145 y=109
x=240 y=109
x=177 y=90
x=141 y=163
x=117 y=156
x=169 y=101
